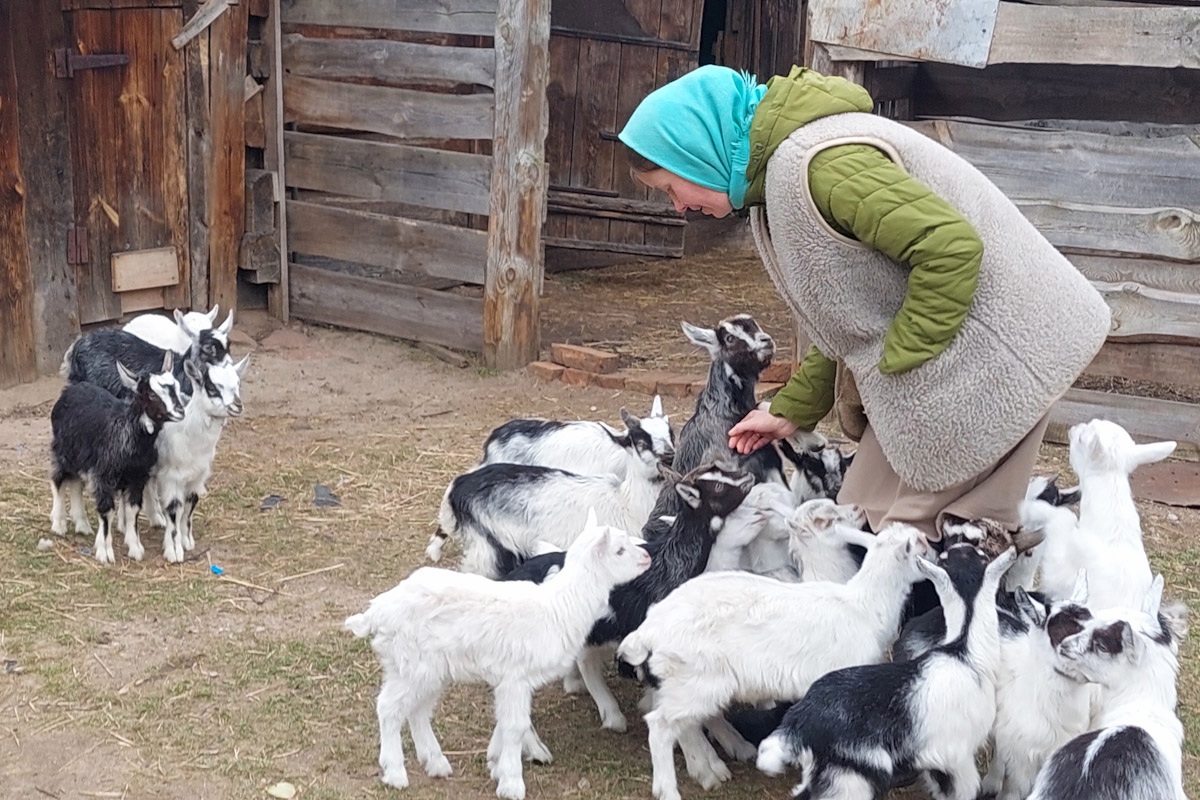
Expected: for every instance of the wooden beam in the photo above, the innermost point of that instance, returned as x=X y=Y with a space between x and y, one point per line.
x=392 y=309
x=278 y=294
x=403 y=113
x=1168 y=363
x=1145 y=36
x=1154 y=273
x=393 y=243
x=46 y=166
x=385 y=60
x=518 y=201
x=1146 y=419
x=442 y=179
x=199 y=157
x=227 y=183
x=1171 y=233
x=205 y=15
x=18 y=360
x=1140 y=311
x=471 y=17
x=631 y=248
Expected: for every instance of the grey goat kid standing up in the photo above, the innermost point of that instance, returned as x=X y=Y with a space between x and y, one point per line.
x=111 y=442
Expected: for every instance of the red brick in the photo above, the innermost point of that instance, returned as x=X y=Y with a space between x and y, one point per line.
x=765 y=390
x=674 y=385
x=643 y=382
x=587 y=359
x=695 y=388
x=575 y=377
x=778 y=372
x=614 y=381
x=544 y=370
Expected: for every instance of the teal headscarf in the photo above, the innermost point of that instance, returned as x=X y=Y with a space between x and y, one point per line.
x=698 y=127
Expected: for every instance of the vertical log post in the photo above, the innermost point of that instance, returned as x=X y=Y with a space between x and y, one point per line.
x=518 y=192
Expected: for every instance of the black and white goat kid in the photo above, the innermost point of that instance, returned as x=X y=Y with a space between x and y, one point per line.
x=858 y=727
x=111 y=443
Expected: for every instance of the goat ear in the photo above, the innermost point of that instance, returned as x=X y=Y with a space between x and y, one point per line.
x=1153 y=599
x=128 y=379
x=212 y=313
x=168 y=361
x=704 y=337
x=1079 y=595
x=591 y=519
x=1030 y=609
x=668 y=473
x=656 y=409
x=689 y=493
x=227 y=325
x=630 y=420
x=193 y=372
x=1151 y=453
x=240 y=367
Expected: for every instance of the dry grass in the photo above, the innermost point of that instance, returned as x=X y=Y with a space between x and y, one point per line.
x=156 y=680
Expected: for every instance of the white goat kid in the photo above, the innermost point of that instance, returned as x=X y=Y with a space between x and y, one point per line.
x=582 y=447
x=1108 y=539
x=186 y=451
x=821 y=530
x=766 y=509
x=439 y=627
x=1134 y=750
x=726 y=637
x=178 y=336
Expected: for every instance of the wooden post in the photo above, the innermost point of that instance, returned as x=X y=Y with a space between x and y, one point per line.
x=277 y=293
x=227 y=183
x=518 y=195
x=199 y=156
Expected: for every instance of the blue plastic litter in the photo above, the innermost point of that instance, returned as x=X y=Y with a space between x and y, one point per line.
x=217 y=570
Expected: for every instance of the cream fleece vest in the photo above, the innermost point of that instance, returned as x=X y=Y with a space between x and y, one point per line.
x=1034 y=326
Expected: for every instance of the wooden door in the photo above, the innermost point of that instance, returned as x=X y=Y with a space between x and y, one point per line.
x=605 y=56
x=129 y=162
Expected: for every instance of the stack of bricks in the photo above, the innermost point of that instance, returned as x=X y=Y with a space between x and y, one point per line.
x=575 y=365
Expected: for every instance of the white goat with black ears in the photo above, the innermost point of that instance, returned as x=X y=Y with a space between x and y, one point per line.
x=858 y=727
x=439 y=627
x=1135 y=750
x=580 y=446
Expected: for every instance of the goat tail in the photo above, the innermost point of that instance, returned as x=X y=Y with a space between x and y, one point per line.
x=64 y=369
x=774 y=755
x=447 y=527
x=361 y=624
x=632 y=655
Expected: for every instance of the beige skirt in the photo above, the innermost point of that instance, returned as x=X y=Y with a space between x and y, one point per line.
x=995 y=493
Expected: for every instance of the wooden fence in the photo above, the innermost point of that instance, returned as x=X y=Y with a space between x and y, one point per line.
x=1116 y=187
x=414 y=157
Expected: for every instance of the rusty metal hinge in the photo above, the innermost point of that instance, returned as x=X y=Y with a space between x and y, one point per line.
x=67 y=61
x=77 y=245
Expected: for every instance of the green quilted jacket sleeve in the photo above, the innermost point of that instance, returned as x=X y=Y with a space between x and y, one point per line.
x=865 y=195
x=808 y=395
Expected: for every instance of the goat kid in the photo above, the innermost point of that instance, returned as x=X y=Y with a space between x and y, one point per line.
x=111 y=442
x=501 y=511
x=726 y=637
x=170 y=335
x=1135 y=750
x=439 y=627
x=822 y=533
x=858 y=727
x=582 y=447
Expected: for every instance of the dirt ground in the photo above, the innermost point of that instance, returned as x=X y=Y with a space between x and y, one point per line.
x=168 y=681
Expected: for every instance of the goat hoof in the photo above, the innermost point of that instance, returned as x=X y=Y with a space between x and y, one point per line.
x=511 y=789
x=716 y=774
x=136 y=553
x=438 y=767
x=396 y=777
x=573 y=685
x=617 y=723
x=83 y=527
x=59 y=528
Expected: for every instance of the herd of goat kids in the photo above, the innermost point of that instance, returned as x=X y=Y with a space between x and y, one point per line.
x=758 y=614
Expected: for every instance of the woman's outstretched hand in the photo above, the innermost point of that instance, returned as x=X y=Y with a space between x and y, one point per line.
x=759 y=428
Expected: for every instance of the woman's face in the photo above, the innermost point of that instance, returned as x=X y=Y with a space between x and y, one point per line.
x=685 y=195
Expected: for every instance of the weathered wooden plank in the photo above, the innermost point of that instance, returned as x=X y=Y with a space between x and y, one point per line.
x=1078 y=167
x=637 y=79
x=256 y=124
x=80 y=5
x=142 y=300
x=258 y=257
x=1150 y=130
x=1140 y=311
x=278 y=294
x=376 y=170
x=382 y=59
x=403 y=113
x=680 y=22
x=1172 y=276
x=669 y=241
x=1146 y=419
x=595 y=113
x=647 y=208
x=1147 y=36
x=18 y=359
x=958 y=33
x=227 y=186
x=260 y=201
x=515 y=266
x=1156 y=362
x=561 y=99
x=403 y=245
x=44 y=136
x=155 y=267
x=205 y=15
x=649 y=249
x=473 y=17
x=1172 y=233
x=407 y=312
x=1034 y=91
x=198 y=157
x=129 y=149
